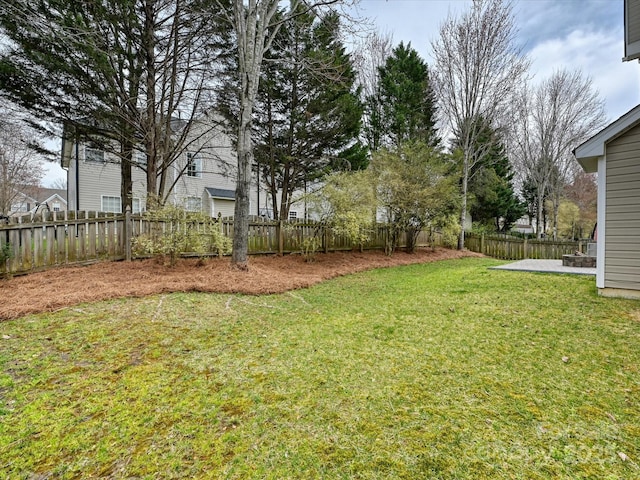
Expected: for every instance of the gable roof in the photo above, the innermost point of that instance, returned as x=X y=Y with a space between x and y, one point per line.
x=220 y=193
x=41 y=194
x=590 y=151
x=45 y=194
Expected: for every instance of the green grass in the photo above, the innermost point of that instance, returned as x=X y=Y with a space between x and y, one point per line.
x=446 y=370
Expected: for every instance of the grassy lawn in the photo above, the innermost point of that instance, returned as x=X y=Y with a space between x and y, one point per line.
x=444 y=370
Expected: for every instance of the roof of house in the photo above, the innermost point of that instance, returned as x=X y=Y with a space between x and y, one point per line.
x=590 y=151
x=42 y=194
x=69 y=134
x=220 y=193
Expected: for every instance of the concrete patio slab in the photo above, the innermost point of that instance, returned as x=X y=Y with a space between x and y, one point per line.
x=545 y=266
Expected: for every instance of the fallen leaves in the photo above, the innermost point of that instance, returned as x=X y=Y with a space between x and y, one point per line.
x=58 y=288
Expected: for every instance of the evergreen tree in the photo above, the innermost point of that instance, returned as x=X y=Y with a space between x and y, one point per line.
x=308 y=114
x=117 y=73
x=493 y=200
x=404 y=107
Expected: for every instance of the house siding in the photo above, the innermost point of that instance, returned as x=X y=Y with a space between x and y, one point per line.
x=633 y=20
x=38 y=199
x=103 y=179
x=224 y=207
x=216 y=169
x=622 y=229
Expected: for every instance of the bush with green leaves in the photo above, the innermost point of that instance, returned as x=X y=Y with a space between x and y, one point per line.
x=480 y=228
x=449 y=229
x=309 y=247
x=174 y=231
x=417 y=187
x=307 y=243
x=5 y=252
x=346 y=203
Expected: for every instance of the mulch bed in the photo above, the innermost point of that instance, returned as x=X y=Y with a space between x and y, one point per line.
x=62 y=287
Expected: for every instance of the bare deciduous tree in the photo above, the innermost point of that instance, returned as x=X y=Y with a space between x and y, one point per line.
x=59 y=184
x=130 y=75
x=368 y=57
x=554 y=118
x=478 y=68
x=19 y=164
x=255 y=25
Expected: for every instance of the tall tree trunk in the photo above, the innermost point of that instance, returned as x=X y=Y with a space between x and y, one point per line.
x=126 y=179
x=151 y=133
x=273 y=192
x=556 y=207
x=240 y=255
x=284 y=195
x=251 y=26
x=540 y=215
x=463 y=209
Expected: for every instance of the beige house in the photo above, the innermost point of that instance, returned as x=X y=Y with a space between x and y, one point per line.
x=32 y=199
x=614 y=153
x=202 y=179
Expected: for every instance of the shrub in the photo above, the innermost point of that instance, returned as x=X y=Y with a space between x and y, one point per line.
x=346 y=203
x=175 y=231
x=309 y=248
x=449 y=228
x=5 y=253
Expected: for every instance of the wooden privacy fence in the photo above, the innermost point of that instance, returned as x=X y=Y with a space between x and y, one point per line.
x=287 y=237
x=65 y=238
x=508 y=248
x=52 y=239
x=60 y=238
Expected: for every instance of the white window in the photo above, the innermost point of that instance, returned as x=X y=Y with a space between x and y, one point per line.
x=20 y=207
x=194 y=165
x=266 y=213
x=56 y=206
x=111 y=204
x=93 y=154
x=136 y=205
x=193 y=204
x=140 y=158
x=293 y=215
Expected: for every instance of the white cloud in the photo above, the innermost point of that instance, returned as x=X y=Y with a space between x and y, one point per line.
x=52 y=172
x=597 y=54
x=585 y=35
x=541 y=20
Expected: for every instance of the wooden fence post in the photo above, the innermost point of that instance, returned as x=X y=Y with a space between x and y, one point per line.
x=526 y=248
x=482 y=244
x=127 y=233
x=280 y=238
x=325 y=238
x=221 y=228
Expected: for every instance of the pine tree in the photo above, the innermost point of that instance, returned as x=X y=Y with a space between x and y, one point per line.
x=404 y=108
x=117 y=73
x=493 y=200
x=308 y=112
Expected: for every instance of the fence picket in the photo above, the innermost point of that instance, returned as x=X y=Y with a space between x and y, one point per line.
x=519 y=249
x=26 y=249
x=71 y=237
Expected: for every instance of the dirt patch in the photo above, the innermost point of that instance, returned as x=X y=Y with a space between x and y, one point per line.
x=62 y=287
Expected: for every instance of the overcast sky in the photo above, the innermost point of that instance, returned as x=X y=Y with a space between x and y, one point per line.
x=573 y=34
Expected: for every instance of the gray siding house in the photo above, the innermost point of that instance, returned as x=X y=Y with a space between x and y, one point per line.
x=614 y=153
x=201 y=179
x=32 y=199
